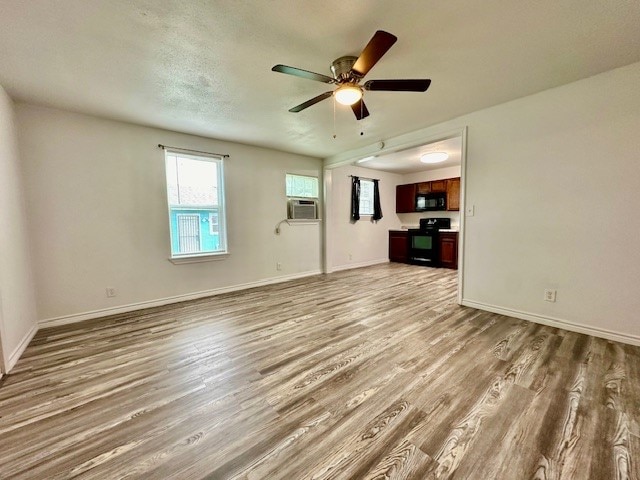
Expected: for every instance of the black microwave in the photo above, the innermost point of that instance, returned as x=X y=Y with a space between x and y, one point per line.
x=431 y=201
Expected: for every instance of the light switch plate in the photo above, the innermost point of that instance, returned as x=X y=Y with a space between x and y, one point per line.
x=471 y=210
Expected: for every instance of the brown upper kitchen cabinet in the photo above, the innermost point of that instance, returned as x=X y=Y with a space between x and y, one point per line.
x=406 y=198
x=406 y=194
x=438 y=186
x=424 y=187
x=453 y=194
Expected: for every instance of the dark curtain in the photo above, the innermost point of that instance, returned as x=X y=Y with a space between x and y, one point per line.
x=355 y=199
x=377 y=209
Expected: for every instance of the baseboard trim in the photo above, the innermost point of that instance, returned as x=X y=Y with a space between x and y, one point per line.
x=19 y=350
x=368 y=263
x=79 y=317
x=556 y=322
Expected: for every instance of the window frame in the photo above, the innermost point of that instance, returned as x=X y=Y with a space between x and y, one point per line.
x=223 y=252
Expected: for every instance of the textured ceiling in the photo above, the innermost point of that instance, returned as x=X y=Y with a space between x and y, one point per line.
x=204 y=67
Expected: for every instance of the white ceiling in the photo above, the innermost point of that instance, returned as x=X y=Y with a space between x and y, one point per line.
x=408 y=161
x=203 y=67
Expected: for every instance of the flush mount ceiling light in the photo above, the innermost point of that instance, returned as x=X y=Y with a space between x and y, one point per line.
x=434 y=157
x=366 y=159
x=348 y=94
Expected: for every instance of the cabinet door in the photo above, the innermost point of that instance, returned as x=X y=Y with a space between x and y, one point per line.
x=424 y=187
x=438 y=186
x=406 y=198
x=449 y=250
x=453 y=194
x=398 y=246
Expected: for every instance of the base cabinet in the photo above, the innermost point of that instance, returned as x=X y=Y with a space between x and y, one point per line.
x=447 y=248
x=398 y=246
x=448 y=244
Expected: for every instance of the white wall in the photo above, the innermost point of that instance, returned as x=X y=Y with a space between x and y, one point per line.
x=429 y=175
x=97 y=205
x=363 y=242
x=413 y=219
x=17 y=301
x=555 y=180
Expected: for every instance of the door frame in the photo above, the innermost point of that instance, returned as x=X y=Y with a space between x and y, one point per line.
x=389 y=147
x=3 y=361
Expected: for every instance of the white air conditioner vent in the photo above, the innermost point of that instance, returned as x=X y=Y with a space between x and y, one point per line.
x=302 y=210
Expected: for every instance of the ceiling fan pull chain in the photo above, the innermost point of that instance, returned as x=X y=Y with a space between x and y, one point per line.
x=334 y=117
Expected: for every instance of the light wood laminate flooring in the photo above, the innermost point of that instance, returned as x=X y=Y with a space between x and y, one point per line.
x=369 y=373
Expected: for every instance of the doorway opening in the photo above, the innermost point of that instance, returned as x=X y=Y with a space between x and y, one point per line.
x=424 y=182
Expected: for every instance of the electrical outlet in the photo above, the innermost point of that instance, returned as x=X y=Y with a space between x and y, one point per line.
x=111 y=292
x=550 y=295
x=278 y=266
x=350 y=256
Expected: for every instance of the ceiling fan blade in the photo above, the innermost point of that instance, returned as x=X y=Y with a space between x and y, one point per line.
x=360 y=110
x=308 y=103
x=415 y=85
x=298 y=72
x=375 y=49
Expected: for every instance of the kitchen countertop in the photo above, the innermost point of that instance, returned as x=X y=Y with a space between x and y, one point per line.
x=415 y=227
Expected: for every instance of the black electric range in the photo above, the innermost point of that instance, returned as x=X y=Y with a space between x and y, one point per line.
x=423 y=241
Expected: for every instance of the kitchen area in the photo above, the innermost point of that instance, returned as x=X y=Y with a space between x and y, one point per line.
x=433 y=240
x=427 y=203
x=420 y=195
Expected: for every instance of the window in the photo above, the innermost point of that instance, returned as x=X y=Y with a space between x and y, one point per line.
x=302 y=186
x=195 y=194
x=366 y=197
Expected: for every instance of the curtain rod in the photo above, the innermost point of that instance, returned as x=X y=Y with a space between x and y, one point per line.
x=365 y=178
x=164 y=147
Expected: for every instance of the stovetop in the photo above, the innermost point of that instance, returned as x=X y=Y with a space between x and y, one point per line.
x=433 y=225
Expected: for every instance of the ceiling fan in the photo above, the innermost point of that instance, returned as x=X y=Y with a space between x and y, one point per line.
x=348 y=71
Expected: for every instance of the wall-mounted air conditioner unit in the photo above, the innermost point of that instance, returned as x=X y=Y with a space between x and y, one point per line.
x=302 y=209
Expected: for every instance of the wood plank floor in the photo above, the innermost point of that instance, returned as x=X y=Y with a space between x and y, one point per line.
x=362 y=374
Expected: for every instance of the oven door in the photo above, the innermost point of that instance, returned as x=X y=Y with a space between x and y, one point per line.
x=423 y=247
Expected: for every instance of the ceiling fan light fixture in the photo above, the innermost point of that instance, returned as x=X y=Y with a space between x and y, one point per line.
x=348 y=71
x=348 y=94
x=434 y=157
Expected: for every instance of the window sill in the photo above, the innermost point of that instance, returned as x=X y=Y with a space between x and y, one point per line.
x=205 y=257
x=292 y=222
